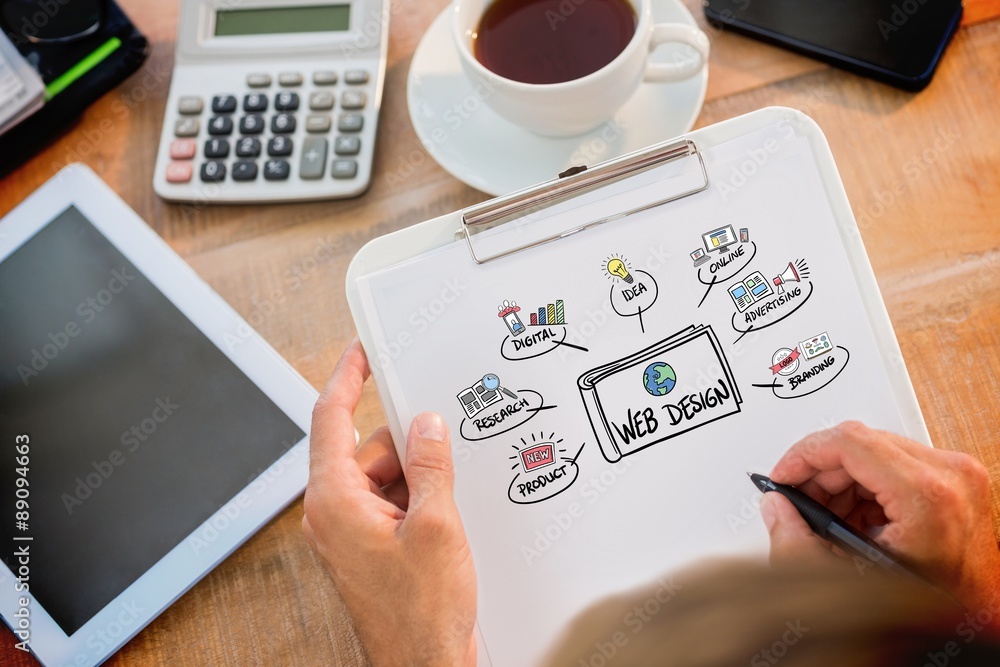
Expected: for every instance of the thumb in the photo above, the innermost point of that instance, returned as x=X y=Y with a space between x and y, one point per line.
x=430 y=474
x=792 y=540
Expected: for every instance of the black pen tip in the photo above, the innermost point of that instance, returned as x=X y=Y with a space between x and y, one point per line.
x=760 y=481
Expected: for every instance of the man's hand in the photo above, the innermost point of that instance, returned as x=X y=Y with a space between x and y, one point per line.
x=392 y=541
x=929 y=507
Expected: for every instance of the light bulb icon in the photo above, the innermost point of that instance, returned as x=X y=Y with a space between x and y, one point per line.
x=616 y=267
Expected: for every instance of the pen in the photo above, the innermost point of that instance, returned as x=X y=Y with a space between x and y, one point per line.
x=831 y=527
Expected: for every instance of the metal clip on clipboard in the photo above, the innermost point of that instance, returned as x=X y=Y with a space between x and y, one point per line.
x=523 y=203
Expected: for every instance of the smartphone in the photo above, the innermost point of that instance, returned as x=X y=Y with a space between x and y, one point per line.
x=898 y=42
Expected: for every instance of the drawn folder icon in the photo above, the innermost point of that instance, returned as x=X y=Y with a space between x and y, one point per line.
x=669 y=388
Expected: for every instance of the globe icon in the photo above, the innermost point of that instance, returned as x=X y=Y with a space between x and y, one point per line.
x=659 y=378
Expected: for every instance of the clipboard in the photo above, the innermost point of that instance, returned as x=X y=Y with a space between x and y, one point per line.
x=746 y=317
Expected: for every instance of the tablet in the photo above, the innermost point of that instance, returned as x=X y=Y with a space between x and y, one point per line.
x=146 y=431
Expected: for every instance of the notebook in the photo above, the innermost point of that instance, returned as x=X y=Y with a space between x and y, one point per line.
x=607 y=391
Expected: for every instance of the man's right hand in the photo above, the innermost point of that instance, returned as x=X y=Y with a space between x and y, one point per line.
x=933 y=506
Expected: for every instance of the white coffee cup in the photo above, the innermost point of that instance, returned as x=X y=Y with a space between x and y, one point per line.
x=577 y=106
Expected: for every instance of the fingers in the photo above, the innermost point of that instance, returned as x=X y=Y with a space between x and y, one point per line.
x=430 y=474
x=377 y=459
x=889 y=473
x=792 y=541
x=332 y=434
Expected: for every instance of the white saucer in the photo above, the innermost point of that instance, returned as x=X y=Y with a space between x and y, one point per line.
x=477 y=146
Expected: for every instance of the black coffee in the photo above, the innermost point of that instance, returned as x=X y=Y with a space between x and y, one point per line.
x=551 y=41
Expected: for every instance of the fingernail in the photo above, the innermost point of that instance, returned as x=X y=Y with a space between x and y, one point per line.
x=431 y=426
x=767 y=512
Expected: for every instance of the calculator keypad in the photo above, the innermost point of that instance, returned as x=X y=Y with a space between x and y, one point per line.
x=261 y=121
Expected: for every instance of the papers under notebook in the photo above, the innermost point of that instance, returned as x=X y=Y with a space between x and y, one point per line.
x=607 y=392
x=22 y=92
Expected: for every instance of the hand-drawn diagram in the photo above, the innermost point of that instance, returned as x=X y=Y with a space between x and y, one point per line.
x=734 y=253
x=492 y=409
x=545 y=332
x=671 y=387
x=761 y=303
x=793 y=273
x=786 y=362
x=544 y=469
x=634 y=291
x=749 y=290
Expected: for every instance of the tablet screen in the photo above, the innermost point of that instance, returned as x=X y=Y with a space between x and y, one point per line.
x=140 y=427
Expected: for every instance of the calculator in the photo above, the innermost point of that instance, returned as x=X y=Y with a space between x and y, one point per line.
x=272 y=101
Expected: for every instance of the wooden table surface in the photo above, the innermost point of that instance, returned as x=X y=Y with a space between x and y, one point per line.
x=922 y=172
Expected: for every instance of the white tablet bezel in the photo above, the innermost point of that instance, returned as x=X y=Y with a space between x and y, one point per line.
x=241 y=516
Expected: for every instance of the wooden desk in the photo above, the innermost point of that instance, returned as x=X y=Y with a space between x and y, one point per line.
x=922 y=172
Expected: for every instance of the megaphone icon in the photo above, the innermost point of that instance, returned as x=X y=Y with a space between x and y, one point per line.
x=792 y=274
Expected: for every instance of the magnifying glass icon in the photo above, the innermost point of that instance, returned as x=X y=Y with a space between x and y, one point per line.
x=492 y=382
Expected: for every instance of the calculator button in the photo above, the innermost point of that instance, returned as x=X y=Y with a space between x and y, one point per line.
x=313 y=158
x=216 y=148
x=190 y=104
x=324 y=77
x=344 y=168
x=183 y=149
x=283 y=123
x=286 y=101
x=321 y=101
x=276 y=170
x=350 y=122
x=213 y=171
x=317 y=123
x=187 y=127
x=220 y=125
x=352 y=99
x=255 y=102
x=278 y=146
x=248 y=147
x=356 y=76
x=347 y=145
x=252 y=124
x=178 y=172
x=258 y=80
x=244 y=170
x=224 y=103
x=290 y=79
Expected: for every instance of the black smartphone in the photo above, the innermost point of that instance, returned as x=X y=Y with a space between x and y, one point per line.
x=898 y=42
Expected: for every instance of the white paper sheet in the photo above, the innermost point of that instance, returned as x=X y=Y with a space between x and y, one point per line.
x=573 y=490
x=21 y=89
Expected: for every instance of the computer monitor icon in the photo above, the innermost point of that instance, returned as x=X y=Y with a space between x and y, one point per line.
x=720 y=239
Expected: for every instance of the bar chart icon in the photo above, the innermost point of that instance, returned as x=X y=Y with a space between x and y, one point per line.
x=553 y=313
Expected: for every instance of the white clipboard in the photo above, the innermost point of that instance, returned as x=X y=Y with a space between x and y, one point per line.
x=706 y=197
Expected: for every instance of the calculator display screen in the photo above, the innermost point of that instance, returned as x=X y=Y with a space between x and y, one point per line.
x=282 y=20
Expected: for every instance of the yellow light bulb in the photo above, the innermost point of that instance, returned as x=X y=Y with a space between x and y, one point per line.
x=616 y=267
